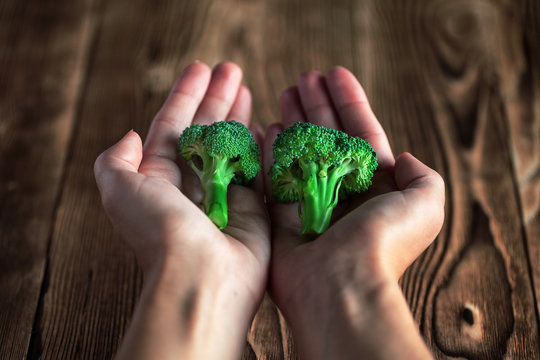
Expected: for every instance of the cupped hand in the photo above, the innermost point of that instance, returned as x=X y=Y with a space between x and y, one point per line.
x=373 y=237
x=152 y=198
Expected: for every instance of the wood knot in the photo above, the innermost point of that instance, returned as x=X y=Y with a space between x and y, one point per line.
x=471 y=321
x=473 y=310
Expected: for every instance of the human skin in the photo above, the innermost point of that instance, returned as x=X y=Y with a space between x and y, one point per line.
x=339 y=292
x=202 y=286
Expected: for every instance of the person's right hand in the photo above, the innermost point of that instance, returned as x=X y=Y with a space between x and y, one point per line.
x=339 y=292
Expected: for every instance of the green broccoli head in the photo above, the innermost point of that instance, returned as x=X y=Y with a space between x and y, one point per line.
x=317 y=166
x=220 y=153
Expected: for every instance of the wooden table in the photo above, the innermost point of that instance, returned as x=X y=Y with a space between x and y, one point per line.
x=455 y=82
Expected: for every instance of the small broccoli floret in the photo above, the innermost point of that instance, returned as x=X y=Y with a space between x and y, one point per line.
x=317 y=166
x=220 y=153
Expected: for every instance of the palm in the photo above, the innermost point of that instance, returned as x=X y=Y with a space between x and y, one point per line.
x=171 y=210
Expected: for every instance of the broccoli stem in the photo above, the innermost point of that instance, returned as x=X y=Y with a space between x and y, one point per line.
x=215 y=202
x=216 y=176
x=319 y=198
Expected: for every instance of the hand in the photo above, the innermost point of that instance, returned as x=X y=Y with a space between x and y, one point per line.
x=339 y=292
x=192 y=270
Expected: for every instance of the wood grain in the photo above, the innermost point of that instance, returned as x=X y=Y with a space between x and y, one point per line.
x=455 y=82
x=522 y=104
x=93 y=278
x=462 y=81
x=42 y=60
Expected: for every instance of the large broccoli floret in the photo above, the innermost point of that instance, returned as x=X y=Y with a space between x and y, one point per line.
x=317 y=166
x=219 y=153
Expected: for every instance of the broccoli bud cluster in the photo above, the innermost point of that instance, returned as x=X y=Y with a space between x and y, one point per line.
x=317 y=167
x=313 y=165
x=220 y=153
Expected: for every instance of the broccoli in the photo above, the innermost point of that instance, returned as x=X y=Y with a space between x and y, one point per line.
x=219 y=153
x=317 y=166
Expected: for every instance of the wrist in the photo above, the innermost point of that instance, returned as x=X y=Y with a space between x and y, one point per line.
x=211 y=306
x=185 y=305
x=354 y=310
x=335 y=273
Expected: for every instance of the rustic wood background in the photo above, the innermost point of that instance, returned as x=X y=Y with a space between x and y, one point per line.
x=455 y=82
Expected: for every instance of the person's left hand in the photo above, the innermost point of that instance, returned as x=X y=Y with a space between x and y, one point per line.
x=212 y=273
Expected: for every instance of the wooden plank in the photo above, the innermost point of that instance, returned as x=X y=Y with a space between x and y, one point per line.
x=143 y=63
x=42 y=61
x=430 y=71
x=297 y=36
x=471 y=292
x=266 y=338
x=93 y=278
x=521 y=86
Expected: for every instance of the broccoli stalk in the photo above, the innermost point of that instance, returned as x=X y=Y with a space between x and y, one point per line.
x=319 y=195
x=215 y=177
x=317 y=166
x=220 y=153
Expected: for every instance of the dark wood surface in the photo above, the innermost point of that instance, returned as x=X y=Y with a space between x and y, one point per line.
x=455 y=82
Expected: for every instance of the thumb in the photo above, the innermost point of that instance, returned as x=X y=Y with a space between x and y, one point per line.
x=422 y=207
x=123 y=158
x=422 y=187
x=400 y=224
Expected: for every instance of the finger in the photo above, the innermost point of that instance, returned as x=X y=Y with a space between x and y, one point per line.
x=177 y=111
x=356 y=115
x=130 y=198
x=316 y=100
x=119 y=160
x=417 y=179
x=291 y=107
x=241 y=108
x=160 y=148
x=220 y=95
x=424 y=197
x=258 y=133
